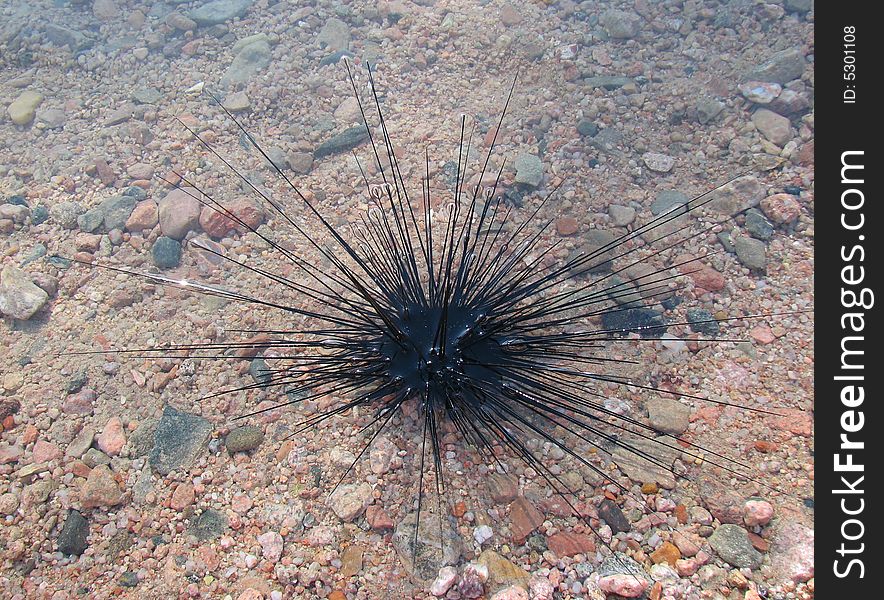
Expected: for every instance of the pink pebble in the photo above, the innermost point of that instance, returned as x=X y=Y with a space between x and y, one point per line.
x=622 y=584
x=112 y=439
x=757 y=512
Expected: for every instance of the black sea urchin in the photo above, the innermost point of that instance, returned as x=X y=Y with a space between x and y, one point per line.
x=463 y=310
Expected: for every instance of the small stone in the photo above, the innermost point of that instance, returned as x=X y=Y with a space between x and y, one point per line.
x=757 y=512
x=732 y=544
x=529 y=170
x=482 y=534
x=381 y=455
x=378 y=519
x=503 y=489
x=760 y=92
x=443 y=582
x=23 y=109
x=182 y=497
x=112 y=439
x=210 y=525
x=751 y=252
x=587 y=128
x=566 y=226
x=271 y=545
x=244 y=439
x=334 y=35
x=792 y=552
x=737 y=196
x=668 y=415
x=513 y=592
x=509 y=16
x=239 y=214
x=702 y=321
x=237 y=102
x=641 y=470
x=619 y=24
x=9 y=503
x=219 y=11
x=782 y=67
x=79 y=403
x=659 y=163
x=144 y=216
x=708 y=109
x=438 y=545
x=178 y=439
x=20 y=298
x=565 y=543
x=65 y=214
x=100 y=489
x=624 y=585
x=502 y=572
x=342 y=142
x=350 y=500
x=668 y=200
x=72 y=538
x=300 y=162
x=613 y=516
x=44 y=451
x=776 y=128
x=166 y=252
x=757 y=225
x=610 y=83
x=621 y=216
x=179 y=212
x=782 y=209
x=667 y=553
x=524 y=517
x=51 y=118
x=472 y=581
x=351 y=559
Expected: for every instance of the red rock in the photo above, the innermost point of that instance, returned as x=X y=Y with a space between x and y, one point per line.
x=179 y=212
x=112 y=438
x=79 y=403
x=795 y=422
x=87 y=242
x=182 y=497
x=503 y=489
x=709 y=279
x=758 y=542
x=378 y=519
x=45 y=451
x=566 y=226
x=524 y=518
x=762 y=334
x=781 y=208
x=568 y=544
x=100 y=489
x=29 y=435
x=105 y=173
x=144 y=216
x=217 y=223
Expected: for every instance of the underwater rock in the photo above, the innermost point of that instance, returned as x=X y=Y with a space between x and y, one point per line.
x=166 y=252
x=251 y=59
x=529 y=170
x=436 y=547
x=20 y=298
x=334 y=35
x=72 y=538
x=23 y=109
x=179 y=438
x=219 y=11
x=782 y=67
x=346 y=140
x=731 y=543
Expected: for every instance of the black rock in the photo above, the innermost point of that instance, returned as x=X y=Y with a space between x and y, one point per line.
x=72 y=539
x=702 y=321
x=209 y=525
x=757 y=225
x=39 y=214
x=166 y=252
x=647 y=322
x=178 y=439
x=614 y=517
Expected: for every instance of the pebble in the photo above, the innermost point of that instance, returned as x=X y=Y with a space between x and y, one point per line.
x=503 y=489
x=776 y=128
x=737 y=196
x=10 y=454
x=20 y=297
x=179 y=213
x=112 y=438
x=619 y=24
x=792 y=551
x=246 y=214
x=100 y=489
x=178 y=440
x=702 y=321
x=708 y=109
x=381 y=455
x=732 y=544
x=244 y=439
x=237 y=102
x=144 y=216
x=621 y=216
x=610 y=83
x=782 y=67
x=626 y=586
x=613 y=516
x=72 y=539
x=502 y=572
x=166 y=252
x=271 y=545
x=587 y=128
x=667 y=200
x=782 y=209
x=183 y=496
x=51 y=118
x=529 y=170
x=300 y=162
x=752 y=253
x=378 y=519
x=79 y=403
x=482 y=534
x=351 y=560
x=640 y=469
x=659 y=163
x=524 y=518
x=566 y=226
x=9 y=503
x=248 y=62
x=219 y=11
x=350 y=500
x=472 y=580
x=760 y=92
x=667 y=553
x=565 y=543
x=334 y=35
x=509 y=16
x=757 y=225
x=210 y=525
x=443 y=582
x=513 y=592
x=757 y=512
x=23 y=109
x=341 y=142
x=45 y=451
x=436 y=546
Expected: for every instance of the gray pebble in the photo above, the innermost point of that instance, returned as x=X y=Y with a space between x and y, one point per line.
x=244 y=439
x=751 y=252
x=166 y=252
x=731 y=543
